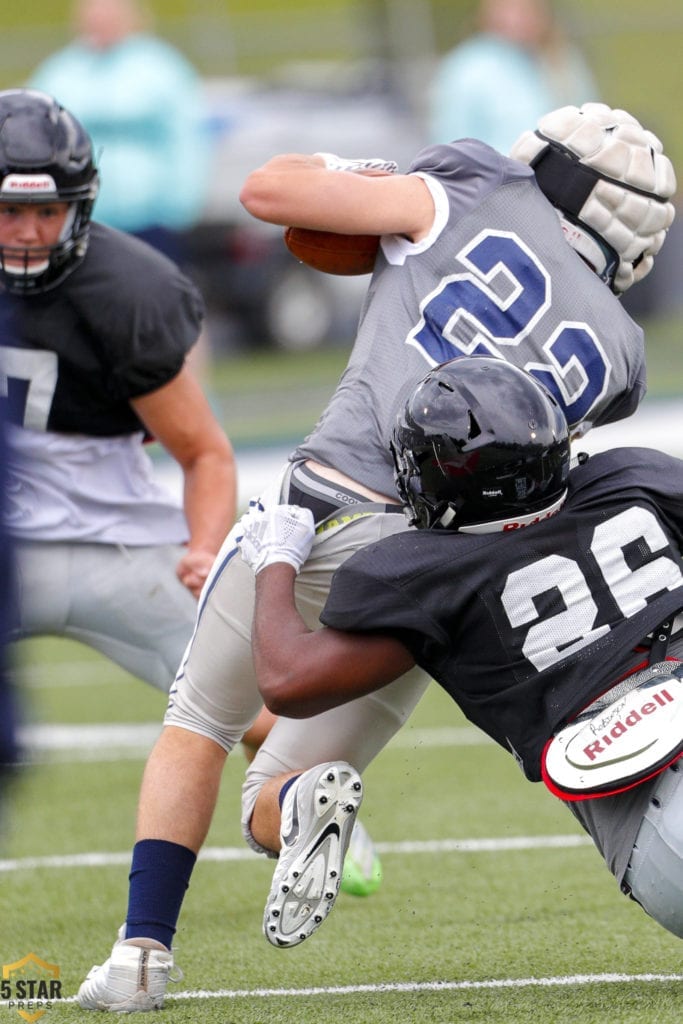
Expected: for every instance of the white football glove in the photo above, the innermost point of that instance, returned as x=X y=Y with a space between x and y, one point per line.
x=367 y=166
x=284 y=533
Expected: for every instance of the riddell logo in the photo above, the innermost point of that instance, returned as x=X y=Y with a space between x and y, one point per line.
x=520 y=524
x=25 y=184
x=660 y=699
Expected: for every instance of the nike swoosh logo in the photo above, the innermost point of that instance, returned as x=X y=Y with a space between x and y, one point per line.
x=332 y=829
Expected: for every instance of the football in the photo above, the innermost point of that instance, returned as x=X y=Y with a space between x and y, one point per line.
x=333 y=253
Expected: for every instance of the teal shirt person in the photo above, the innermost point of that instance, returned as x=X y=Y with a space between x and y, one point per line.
x=490 y=88
x=141 y=102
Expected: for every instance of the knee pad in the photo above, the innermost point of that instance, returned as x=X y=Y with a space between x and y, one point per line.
x=654 y=877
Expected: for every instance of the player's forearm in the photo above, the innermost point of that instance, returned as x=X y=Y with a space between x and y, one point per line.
x=301 y=191
x=209 y=503
x=302 y=672
x=282 y=187
x=210 y=500
x=278 y=637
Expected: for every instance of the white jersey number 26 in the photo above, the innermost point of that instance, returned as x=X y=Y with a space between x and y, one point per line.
x=551 y=639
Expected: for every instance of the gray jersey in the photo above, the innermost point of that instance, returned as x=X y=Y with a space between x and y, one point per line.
x=494 y=277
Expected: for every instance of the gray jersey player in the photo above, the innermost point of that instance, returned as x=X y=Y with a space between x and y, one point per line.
x=518 y=258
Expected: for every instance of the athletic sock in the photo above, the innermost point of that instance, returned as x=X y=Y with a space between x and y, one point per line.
x=159 y=876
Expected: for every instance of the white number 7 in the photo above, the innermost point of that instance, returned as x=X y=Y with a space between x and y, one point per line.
x=39 y=369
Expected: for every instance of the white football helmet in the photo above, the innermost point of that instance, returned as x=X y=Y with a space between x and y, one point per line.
x=611 y=183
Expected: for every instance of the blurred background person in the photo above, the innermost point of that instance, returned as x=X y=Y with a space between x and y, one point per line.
x=95 y=331
x=140 y=101
x=9 y=752
x=517 y=64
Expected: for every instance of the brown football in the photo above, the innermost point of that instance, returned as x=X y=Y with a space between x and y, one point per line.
x=333 y=253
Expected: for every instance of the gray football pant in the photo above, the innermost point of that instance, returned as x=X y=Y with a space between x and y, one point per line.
x=640 y=836
x=125 y=602
x=216 y=695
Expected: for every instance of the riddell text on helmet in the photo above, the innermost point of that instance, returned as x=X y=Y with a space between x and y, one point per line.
x=28 y=183
x=518 y=524
x=660 y=699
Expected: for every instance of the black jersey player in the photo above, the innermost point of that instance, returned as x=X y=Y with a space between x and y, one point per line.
x=95 y=329
x=527 y=592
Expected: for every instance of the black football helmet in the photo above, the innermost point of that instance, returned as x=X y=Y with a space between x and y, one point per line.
x=481 y=445
x=45 y=156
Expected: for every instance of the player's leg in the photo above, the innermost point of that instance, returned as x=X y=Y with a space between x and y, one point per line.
x=655 y=869
x=328 y=744
x=362 y=874
x=135 y=609
x=42 y=588
x=324 y=757
x=355 y=732
x=126 y=603
x=254 y=737
x=640 y=835
x=211 y=704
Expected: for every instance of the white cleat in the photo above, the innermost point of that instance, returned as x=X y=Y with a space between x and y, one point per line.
x=133 y=979
x=318 y=814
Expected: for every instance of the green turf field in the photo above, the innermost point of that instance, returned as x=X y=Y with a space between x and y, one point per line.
x=493 y=908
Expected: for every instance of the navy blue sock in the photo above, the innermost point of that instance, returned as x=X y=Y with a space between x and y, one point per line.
x=159 y=877
x=285 y=786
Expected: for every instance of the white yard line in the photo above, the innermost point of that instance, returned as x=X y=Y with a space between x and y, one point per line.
x=69 y=744
x=431 y=986
x=416 y=986
x=108 y=859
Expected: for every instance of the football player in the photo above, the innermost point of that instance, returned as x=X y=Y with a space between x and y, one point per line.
x=95 y=330
x=9 y=739
x=521 y=259
x=527 y=592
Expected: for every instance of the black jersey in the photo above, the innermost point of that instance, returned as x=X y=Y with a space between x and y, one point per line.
x=118 y=327
x=525 y=628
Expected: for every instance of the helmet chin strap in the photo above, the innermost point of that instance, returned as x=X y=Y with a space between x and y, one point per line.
x=505 y=525
x=68 y=222
x=600 y=258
